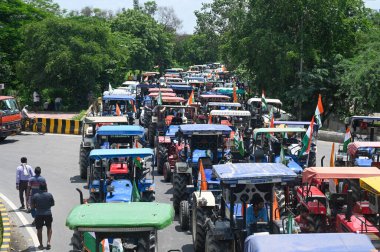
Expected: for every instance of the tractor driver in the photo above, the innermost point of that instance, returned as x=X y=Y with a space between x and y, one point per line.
x=256 y=212
x=305 y=221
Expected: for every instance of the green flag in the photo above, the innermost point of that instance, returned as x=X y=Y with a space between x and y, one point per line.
x=135 y=192
x=159 y=98
x=264 y=105
x=137 y=162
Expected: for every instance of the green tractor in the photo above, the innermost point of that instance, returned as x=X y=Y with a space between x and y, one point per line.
x=119 y=227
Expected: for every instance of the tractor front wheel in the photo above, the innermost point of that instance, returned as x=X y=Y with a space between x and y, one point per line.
x=213 y=245
x=167 y=172
x=162 y=157
x=179 y=189
x=149 y=243
x=199 y=216
x=77 y=241
x=151 y=134
x=184 y=215
x=83 y=162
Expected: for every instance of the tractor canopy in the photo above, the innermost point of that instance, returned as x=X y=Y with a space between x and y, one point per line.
x=172 y=130
x=174 y=99
x=181 y=87
x=254 y=173
x=214 y=96
x=371 y=184
x=228 y=91
x=230 y=113
x=338 y=173
x=204 y=129
x=294 y=124
x=98 y=154
x=269 y=101
x=105 y=119
x=224 y=104
x=120 y=217
x=116 y=97
x=155 y=94
x=120 y=130
x=332 y=242
x=353 y=148
x=259 y=131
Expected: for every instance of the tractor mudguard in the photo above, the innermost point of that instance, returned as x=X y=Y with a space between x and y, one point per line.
x=146 y=185
x=204 y=198
x=182 y=167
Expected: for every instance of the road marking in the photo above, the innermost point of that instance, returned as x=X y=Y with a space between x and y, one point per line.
x=24 y=221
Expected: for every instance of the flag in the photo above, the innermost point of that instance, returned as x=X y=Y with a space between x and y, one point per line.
x=202 y=177
x=234 y=95
x=275 y=208
x=133 y=105
x=118 y=112
x=191 y=98
x=136 y=144
x=319 y=111
x=135 y=192
x=271 y=116
x=110 y=89
x=264 y=105
x=137 y=161
x=347 y=139
x=332 y=156
x=241 y=146
x=105 y=245
x=236 y=139
x=306 y=141
x=282 y=155
x=210 y=119
x=332 y=182
x=159 y=98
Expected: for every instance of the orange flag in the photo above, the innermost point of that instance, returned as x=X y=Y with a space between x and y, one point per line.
x=190 y=100
x=210 y=119
x=203 y=176
x=136 y=143
x=133 y=105
x=118 y=112
x=234 y=93
x=275 y=207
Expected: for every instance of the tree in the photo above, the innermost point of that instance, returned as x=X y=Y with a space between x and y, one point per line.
x=45 y=5
x=150 y=8
x=68 y=54
x=168 y=18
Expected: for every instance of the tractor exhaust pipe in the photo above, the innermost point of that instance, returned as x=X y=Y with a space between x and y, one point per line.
x=322 y=160
x=80 y=195
x=349 y=205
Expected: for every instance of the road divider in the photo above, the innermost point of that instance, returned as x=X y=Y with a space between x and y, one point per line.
x=5 y=229
x=61 y=126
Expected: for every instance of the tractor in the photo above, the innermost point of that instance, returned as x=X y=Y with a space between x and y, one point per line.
x=365 y=128
x=119 y=105
x=329 y=194
x=120 y=175
x=122 y=226
x=246 y=187
x=198 y=141
x=89 y=128
x=363 y=154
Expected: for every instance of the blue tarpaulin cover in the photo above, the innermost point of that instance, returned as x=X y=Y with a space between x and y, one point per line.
x=122 y=191
x=190 y=129
x=172 y=130
x=181 y=87
x=120 y=130
x=331 y=242
x=116 y=153
x=254 y=173
x=115 y=97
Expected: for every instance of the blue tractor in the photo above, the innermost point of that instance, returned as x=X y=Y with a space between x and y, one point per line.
x=119 y=105
x=196 y=142
x=120 y=175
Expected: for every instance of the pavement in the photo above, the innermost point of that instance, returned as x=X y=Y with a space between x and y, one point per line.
x=53 y=115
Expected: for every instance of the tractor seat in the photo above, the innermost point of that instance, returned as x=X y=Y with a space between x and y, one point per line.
x=118 y=168
x=206 y=162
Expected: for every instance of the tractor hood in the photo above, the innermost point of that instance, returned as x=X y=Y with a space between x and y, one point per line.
x=293 y=165
x=364 y=162
x=122 y=191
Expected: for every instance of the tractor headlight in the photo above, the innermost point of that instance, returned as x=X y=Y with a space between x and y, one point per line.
x=94 y=189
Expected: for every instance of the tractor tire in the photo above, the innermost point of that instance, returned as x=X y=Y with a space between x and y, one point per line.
x=148 y=244
x=2 y=139
x=77 y=242
x=317 y=223
x=151 y=134
x=184 y=215
x=162 y=157
x=179 y=189
x=83 y=162
x=199 y=216
x=213 y=245
x=148 y=197
x=167 y=172
x=312 y=159
x=280 y=196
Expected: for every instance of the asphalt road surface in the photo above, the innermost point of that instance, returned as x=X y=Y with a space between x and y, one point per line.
x=57 y=155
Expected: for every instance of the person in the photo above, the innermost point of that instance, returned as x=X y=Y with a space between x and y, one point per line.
x=36 y=100
x=34 y=187
x=57 y=103
x=46 y=105
x=42 y=202
x=177 y=120
x=23 y=173
x=256 y=212
x=24 y=116
x=305 y=221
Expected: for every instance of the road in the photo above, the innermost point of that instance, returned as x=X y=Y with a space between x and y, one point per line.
x=57 y=155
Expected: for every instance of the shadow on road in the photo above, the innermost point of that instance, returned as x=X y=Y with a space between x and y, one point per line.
x=8 y=141
x=188 y=248
x=77 y=179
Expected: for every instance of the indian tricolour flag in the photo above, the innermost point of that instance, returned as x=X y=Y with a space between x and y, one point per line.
x=306 y=141
x=319 y=111
x=159 y=98
x=347 y=139
x=191 y=98
x=264 y=104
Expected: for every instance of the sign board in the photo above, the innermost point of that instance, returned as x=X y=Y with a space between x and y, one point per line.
x=2 y=85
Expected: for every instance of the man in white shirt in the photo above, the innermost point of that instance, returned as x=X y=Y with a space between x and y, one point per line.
x=23 y=173
x=36 y=100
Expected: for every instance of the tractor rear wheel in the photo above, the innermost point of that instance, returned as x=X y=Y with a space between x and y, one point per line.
x=77 y=241
x=198 y=231
x=2 y=139
x=162 y=157
x=151 y=134
x=184 y=215
x=280 y=196
x=213 y=245
x=312 y=159
x=83 y=162
x=148 y=243
x=167 y=172
x=179 y=189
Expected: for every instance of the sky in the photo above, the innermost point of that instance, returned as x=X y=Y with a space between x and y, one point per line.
x=184 y=9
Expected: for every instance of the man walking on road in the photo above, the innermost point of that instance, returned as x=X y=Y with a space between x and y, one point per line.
x=23 y=173
x=42 y=202
x=34 y=187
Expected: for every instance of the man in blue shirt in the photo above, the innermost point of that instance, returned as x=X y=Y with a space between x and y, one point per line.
x=42 y=202
x=34 y=186
x=256 y=212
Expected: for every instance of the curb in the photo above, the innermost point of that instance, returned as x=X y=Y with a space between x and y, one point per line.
x=5 y=244
x=61 y=126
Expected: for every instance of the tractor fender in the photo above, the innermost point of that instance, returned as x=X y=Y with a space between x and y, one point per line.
x=182 y=167
x=204 y=198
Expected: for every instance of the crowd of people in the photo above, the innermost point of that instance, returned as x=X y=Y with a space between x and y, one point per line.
x=35 y=198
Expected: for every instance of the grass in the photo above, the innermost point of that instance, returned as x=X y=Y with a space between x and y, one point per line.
x=79 y=116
